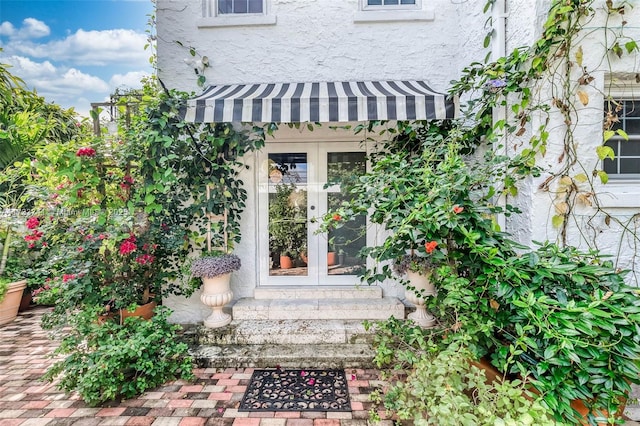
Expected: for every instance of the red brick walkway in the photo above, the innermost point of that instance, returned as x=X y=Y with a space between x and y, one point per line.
x=212 y=399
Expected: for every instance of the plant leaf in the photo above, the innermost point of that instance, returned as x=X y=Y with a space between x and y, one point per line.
x=584 y=97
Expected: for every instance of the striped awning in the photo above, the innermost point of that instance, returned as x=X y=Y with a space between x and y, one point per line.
x=320 y=102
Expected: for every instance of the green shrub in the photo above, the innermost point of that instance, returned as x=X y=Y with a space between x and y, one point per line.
x=110 y=361
x=443 y=388
x=4 y=286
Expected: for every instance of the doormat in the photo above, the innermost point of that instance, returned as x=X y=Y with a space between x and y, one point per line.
x=296 y=390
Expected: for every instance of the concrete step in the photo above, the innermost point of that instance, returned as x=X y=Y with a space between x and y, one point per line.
x=282 y=332
x=290 y=356
x=327 y=309
x=321 y=292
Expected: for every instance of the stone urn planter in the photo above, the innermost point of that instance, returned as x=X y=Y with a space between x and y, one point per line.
x=215 y=272
x=216 y=292
x=11 y=302
x=421 y=282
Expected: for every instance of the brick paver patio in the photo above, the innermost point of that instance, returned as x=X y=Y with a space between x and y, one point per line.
x=212 y=399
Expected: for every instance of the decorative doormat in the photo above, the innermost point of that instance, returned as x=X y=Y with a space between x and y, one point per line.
x=296 y=390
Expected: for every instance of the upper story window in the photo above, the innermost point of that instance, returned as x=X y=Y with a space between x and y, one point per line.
x=623 y=114
x=392 y=10
x=240 y=6
x=236 y=13
x=389 y=3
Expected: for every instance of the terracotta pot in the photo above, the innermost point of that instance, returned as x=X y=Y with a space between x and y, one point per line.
x=145 y=311
x=11 y=302
x=216 y=292
x=581 y=408
x=286 y=262
x=331 y=258
x=491 y=373
x=26 y=300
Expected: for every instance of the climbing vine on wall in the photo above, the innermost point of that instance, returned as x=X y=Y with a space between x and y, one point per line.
x=544 y=89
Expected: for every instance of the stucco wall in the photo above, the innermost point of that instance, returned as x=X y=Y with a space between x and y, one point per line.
x=318 y=40
x=620 y=198
x=312 y=40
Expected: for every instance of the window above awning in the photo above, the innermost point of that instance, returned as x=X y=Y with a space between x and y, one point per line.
x=320 y=102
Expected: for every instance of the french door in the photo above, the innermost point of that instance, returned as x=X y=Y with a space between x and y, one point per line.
x=297 y=184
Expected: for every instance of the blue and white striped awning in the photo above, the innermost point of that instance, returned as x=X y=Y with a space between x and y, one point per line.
x=320 y=102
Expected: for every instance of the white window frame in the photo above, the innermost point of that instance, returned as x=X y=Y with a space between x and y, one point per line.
x=393 y=12
x=211 y=17
x=625 y=91
x=622 y=191
x=364 y=5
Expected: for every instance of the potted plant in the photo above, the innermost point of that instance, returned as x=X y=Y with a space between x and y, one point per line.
x=10 y=296
x=215 y=272
x=287 y=226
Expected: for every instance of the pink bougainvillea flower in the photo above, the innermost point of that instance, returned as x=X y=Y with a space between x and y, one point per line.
x=86 y=152
x=337 y=217
x=430 y=246
x=33 y=222
x=457 y=209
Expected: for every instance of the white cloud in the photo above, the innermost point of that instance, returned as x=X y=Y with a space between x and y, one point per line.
x=32 y=28
x=7 y=29
x=102 y=48
x=130 y=80
x=67 y=87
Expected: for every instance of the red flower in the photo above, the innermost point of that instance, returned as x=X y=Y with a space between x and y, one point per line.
x=45 y=244
x=80 y=249
x=86 y=152
x=430 y=246
x=32 y=245
x=337 y=217
x=457 y=209
x=33 y=222
x=128 y=179
x=145 y=259
x=127 y=247
x=34 y=236
x=67 y=277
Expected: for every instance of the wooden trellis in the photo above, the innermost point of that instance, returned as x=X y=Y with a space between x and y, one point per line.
x=220 y=218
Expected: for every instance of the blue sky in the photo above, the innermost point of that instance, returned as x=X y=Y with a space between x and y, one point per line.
x=74 y=52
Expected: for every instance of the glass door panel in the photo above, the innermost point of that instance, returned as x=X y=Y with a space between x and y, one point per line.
x=287 y=213
x=344 y=242
x=298 y=183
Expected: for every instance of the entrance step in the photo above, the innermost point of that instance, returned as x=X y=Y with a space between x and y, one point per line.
x=326 y=292
x=283 y=332
x=285 y=343
x=318 y=308
x=291 y=356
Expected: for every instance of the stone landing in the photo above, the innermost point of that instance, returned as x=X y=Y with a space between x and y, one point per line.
x=319 y=327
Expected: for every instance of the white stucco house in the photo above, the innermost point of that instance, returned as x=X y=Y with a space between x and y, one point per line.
x=272 y=60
